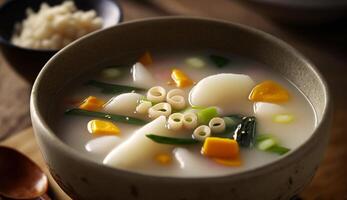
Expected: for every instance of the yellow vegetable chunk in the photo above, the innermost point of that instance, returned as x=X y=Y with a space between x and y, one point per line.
x=181 y=79
x=163 y=158
x=269 y=91
x=92 y=103
x=220 y=148
x=146 y=59
x=101 y=127
x=228 y=162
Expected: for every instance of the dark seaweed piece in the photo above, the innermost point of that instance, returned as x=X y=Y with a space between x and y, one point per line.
x=109 y=88
x=245 y=132
x=219 y=61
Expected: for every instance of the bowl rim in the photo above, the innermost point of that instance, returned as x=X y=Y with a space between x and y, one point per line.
x=317 y=4
x=51 y=51
x=275 y=165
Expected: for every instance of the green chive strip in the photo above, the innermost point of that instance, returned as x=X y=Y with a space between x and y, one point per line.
x=280 y=150
x=171 y=140
x=112 y=88
x=112 y=117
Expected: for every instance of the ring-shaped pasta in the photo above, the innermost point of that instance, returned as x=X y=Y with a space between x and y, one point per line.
x=190 y=120
x=175 y=97
x=202 y=132
x=143 y=107
x=156 y=94
x=217 y=125
x=160 y=109
x=175 y=121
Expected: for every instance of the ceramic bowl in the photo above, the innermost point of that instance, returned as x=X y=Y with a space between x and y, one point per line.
x=26 y=61
x=83 y=178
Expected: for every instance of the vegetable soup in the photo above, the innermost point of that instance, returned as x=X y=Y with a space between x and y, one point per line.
x=188 y=114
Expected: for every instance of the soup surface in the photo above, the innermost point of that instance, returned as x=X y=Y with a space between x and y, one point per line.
x=252 y=115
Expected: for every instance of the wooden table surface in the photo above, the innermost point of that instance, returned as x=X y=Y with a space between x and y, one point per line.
x=324 y=45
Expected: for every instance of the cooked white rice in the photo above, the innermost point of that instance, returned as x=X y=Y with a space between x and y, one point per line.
x=53 y=27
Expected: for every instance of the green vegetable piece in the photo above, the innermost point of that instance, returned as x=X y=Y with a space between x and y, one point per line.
x=109 y=88
x=280 y=150
x=112 y=117
x=195 y=62
x=245 y=132
x=263 y=137
x=171 y=140
x=206 y=114
x=219 y=61
x=266 y=144
x=232 y=121
x=111 y=73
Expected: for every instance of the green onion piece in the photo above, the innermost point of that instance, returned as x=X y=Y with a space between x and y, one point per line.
x=245 y=132
x=266 y=144
x=195 y=62
x=144 y=99
x=263 y=137
x=283 y=118
x=116 y=118
x=112 y=88
x=206 y=114
x=197 y=107
x=171 y=140
x=280 y=150
x=111 y=73
x=219 y=61
x=232 y=121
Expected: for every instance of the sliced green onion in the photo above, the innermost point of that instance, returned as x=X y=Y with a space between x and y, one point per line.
x=144 y=99
x=111 y=73
x=219 y=61
x=112 y=117
x=232 y=121
x=206 y=114
x=283 y=118
x=195 y=62
x=112 y=88
x=197 y=107
x=245 y=132
x=171 y=140
x=261 y=137
x=280 y=150
x=266 y=144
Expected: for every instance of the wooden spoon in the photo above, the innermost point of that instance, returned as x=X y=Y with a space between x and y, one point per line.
x=20 y=178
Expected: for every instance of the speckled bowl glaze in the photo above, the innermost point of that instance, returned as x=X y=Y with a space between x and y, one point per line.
x=83 y=178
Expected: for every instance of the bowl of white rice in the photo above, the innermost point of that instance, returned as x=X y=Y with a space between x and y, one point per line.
x=32 y=31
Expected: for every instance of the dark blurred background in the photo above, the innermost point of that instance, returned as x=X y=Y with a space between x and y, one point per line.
x=317 y=28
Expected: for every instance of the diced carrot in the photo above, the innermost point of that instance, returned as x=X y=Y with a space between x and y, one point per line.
x=101 y=127
x=163 y=158
x=269 y=91
x=181 y=79
x=92 y=103
x=146 y=59
x=222 y=148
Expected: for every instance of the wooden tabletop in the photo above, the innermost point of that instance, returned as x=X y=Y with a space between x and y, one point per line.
x=324 y=45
